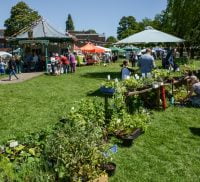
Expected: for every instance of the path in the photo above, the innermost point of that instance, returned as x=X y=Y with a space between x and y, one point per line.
x=22 y=77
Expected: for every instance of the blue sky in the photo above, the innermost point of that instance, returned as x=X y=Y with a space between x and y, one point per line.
x=101 y=15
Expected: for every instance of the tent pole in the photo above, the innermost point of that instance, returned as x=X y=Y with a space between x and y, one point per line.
x=46 y=56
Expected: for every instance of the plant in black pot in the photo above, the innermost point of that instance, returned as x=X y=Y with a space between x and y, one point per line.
x=108 y=165
x=128 y=126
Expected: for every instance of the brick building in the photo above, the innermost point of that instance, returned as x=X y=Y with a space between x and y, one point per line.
x=3 y=42
x=84 y=37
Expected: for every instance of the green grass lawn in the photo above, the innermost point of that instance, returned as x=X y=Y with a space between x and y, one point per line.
x=38 y=103
x=168 y=151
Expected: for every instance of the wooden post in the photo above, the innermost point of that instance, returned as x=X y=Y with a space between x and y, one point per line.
x=163 y=97
x=106 y=108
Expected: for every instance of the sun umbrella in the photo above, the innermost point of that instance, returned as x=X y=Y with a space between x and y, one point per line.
x=149 y=35
x=91 y=48
x=5 y=54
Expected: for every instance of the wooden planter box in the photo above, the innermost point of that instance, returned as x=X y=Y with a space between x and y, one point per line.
x=128 y=139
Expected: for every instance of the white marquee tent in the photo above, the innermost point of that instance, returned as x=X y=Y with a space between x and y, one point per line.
x=150 y=35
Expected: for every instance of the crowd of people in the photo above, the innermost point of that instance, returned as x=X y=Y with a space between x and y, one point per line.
x=107 y=57
x=145 y=60
x=57 y=64
x=146 y=64
x=62 y=64
x=66 y=63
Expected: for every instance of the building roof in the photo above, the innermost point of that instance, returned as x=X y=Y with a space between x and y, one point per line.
x=42 y=30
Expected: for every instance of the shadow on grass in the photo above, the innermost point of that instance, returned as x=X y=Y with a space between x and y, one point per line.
x=195 y=131
x=100 y=75
x=96 y=93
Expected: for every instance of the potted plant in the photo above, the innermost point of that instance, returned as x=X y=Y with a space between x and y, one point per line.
x=108 y=87
x=128 y=126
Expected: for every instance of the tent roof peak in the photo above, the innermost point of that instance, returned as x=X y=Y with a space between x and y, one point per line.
x=149 y=28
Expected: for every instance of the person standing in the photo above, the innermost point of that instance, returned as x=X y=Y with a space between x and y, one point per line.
x=57 y=64
x=2 y=66
x=132 y=59
x=12 y=67
x=146 y=63
x=18 y=64
x=35 y=61
x=72 y=61
x=65 y=64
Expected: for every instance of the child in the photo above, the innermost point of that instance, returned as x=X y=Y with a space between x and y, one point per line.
x=125 y=71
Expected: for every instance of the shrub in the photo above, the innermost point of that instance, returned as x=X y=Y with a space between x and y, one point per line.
x=75 y=148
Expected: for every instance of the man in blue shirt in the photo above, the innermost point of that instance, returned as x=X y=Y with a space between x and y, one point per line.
x=146 y=63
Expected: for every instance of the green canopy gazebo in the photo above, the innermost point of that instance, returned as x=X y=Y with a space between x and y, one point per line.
x=131 y=48
x=40 y=35
x=117 y=49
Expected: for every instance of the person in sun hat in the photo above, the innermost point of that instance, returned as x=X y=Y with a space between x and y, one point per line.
x=194 y=88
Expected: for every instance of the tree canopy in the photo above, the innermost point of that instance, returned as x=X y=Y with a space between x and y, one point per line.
x=127 y=26
x=111 y=39
x=182 y=19
x=21 y=16
x=69 y=23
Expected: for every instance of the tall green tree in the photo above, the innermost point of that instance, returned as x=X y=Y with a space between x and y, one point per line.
x=144 y=23
x=69 y=23
x=127 y=27
x=181 y=18
x=21 y=16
